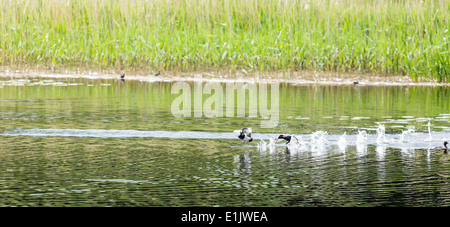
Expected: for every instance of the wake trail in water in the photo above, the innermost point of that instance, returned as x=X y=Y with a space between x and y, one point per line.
x=116 y=133
x=320 y=139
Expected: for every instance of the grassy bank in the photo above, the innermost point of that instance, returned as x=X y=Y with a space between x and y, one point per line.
x=408 y=37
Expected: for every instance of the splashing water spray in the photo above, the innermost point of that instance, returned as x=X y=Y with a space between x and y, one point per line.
x=381 y=134
x=404 y=133
x=342 y=143
x=429 y=131
x=361 y=138
x=262 y=143
x=271 y=142
x=318 y=138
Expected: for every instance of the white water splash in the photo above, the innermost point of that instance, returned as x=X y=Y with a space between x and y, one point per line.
x=361 y=138
x=342 y=142
x=318 y=142
x=295 y=143
x=381 y=138
x=271 y=142
x=429 y=131
x=404 y=133
x=262 y=143
x=318 y=138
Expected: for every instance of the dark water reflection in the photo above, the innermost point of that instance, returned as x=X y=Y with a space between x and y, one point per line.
x=137 y=171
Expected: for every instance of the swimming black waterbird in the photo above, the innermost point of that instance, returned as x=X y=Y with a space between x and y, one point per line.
x=159 y=73
x=122 y=76
x=444 y=148
x=284 y=137
x=245 y=134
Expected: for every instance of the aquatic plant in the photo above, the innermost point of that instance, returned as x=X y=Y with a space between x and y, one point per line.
x=405 y=37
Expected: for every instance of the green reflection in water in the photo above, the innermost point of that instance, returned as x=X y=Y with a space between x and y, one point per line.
x=69 y=171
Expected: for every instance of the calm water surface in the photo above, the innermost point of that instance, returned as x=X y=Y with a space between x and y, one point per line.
x=83 y=142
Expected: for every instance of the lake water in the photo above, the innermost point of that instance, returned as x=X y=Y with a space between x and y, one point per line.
x=99 y=142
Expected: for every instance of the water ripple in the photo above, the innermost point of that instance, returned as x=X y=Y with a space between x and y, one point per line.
x=404 y=140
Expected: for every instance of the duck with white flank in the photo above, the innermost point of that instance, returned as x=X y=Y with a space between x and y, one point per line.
x=289 y=139
x=283 y=137
x=245 y=134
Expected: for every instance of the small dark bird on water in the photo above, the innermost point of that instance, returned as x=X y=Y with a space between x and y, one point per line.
x=122 y=76
x=290 y=139
x=284 y=137
x=355 y=82
x=444 y=148
x=159 y=73
x=245 y=134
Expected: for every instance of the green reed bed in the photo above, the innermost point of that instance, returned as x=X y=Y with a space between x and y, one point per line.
x=408 y=37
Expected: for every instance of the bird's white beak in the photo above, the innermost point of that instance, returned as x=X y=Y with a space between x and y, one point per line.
x=276 y=140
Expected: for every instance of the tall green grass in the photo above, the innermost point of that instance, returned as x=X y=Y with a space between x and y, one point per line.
x=407 y=37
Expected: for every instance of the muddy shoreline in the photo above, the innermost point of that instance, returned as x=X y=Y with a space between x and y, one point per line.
x=296 y=78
